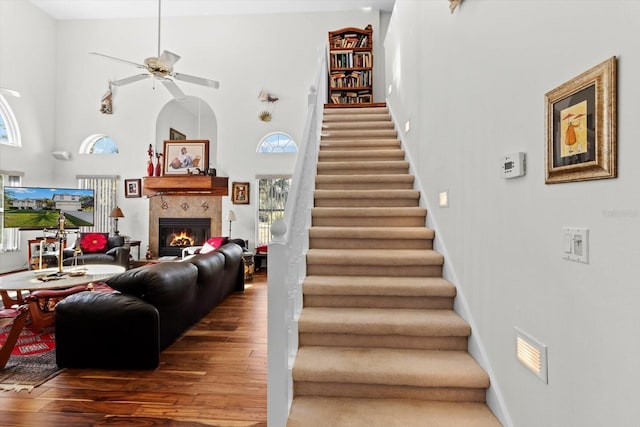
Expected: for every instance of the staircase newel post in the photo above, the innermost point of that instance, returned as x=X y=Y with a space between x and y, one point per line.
x=279 y=383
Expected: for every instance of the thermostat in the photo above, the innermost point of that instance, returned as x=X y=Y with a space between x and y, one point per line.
x=514 y=165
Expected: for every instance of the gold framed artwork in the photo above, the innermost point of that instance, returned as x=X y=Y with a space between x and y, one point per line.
x=581 y=117
x=132 y=188
x=240 y=193
x=176 y=135
x=180 y=157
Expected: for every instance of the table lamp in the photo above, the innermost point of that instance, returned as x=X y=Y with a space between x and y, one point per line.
x=231 y=216
x=116 y=213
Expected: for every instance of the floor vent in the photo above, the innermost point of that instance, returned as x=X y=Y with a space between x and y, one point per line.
x=532 y=354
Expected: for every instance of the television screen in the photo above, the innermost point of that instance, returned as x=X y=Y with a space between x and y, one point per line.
x=30 y=208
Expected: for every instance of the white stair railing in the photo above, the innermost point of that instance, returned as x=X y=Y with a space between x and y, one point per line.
x=287 y=259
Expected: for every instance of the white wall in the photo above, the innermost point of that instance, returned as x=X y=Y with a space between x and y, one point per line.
x=63 y=85
x=27 y=64
x=473 y=86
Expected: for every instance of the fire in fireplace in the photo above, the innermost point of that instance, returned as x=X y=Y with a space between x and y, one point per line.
x=174 y=234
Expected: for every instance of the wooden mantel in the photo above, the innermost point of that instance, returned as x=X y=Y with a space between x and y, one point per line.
x=185 y=184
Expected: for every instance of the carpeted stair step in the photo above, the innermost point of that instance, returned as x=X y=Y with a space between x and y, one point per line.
x=359 y=111
x=369 y=217
x=374 y=262
x=383 y=327
x=360 y=144
x=448 y=375
x=349 y=412
x=371 y=238
x=359 y=133
x=368 y=198
x=364 y=182
x=360 y=155
x=357 y=125
x=368 y=117
x=378 y=291
x=363 y=168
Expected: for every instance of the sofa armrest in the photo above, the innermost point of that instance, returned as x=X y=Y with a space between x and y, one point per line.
x=121 y=255
x=107 y=331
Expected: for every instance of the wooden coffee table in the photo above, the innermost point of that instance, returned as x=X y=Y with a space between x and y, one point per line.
x=50 y=279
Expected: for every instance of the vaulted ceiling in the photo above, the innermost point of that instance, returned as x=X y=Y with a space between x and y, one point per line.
x=110 y=9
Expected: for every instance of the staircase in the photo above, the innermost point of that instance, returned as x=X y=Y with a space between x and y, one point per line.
x=379 y=342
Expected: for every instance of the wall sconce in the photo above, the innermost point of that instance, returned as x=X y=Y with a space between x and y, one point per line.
x=116 y=214
x=231 y=216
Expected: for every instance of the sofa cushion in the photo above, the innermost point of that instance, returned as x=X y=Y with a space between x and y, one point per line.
x=94 y=242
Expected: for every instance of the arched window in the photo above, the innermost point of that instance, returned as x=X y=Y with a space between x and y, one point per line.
x=9 y=132
x=98 y=144
x=277 y=142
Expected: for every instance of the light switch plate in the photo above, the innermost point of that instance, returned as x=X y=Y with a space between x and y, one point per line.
x=575 y=244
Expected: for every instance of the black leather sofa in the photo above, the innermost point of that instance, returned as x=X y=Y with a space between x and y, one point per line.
x=153 y=306
x=116 y=253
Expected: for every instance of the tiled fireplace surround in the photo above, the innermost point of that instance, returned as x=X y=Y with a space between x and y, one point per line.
x=183 y=206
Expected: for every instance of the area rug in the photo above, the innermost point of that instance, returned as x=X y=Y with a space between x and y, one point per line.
x=32 y=361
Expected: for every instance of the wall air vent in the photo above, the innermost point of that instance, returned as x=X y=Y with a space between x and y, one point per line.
x=532 y=354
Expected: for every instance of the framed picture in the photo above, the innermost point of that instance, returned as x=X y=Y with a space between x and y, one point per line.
x=180 y=157
x=581 y=127
x=176 y=135
x=240 y=193
x=132 y=188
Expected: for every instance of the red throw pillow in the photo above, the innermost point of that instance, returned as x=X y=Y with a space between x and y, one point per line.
x=212 y=244
x=262 y=249
x=93 y=242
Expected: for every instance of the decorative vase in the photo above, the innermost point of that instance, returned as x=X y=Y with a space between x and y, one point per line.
x=150 y=168
x=158 y=168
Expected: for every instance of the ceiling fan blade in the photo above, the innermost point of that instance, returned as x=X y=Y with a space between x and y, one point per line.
x=168 y=59
x=197 y=80
x=131 y=79
x=10 y=92
x=135 y=64
x=173 y=88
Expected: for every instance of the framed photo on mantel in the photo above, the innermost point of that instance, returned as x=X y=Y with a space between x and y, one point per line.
x=581 y=127
x=181 y=157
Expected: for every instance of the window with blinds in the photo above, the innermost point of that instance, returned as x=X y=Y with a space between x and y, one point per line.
x=106 y=191
x=9 y=237
x=272 y=198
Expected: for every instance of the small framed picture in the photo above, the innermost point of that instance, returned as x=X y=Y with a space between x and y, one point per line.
x=176 y=135
x=581 y=127
x=132 y=188
x=240 y=193
x=181 y=157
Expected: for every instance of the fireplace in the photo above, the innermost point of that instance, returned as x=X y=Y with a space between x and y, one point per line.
x=174 y=234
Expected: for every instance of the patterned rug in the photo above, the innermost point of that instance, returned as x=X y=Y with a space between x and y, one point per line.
x=32 y=361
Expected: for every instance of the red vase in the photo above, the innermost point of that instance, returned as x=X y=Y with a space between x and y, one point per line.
x=158 y=168
x=150 y=168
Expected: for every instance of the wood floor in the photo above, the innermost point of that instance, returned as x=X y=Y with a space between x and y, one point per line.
x=215 y=375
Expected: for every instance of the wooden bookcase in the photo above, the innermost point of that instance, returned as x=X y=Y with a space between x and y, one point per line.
x=351 y=66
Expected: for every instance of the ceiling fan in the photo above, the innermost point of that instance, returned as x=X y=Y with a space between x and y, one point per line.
x=161 y=68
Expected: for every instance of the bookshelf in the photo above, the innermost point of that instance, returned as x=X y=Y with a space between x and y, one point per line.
x=351 y=66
